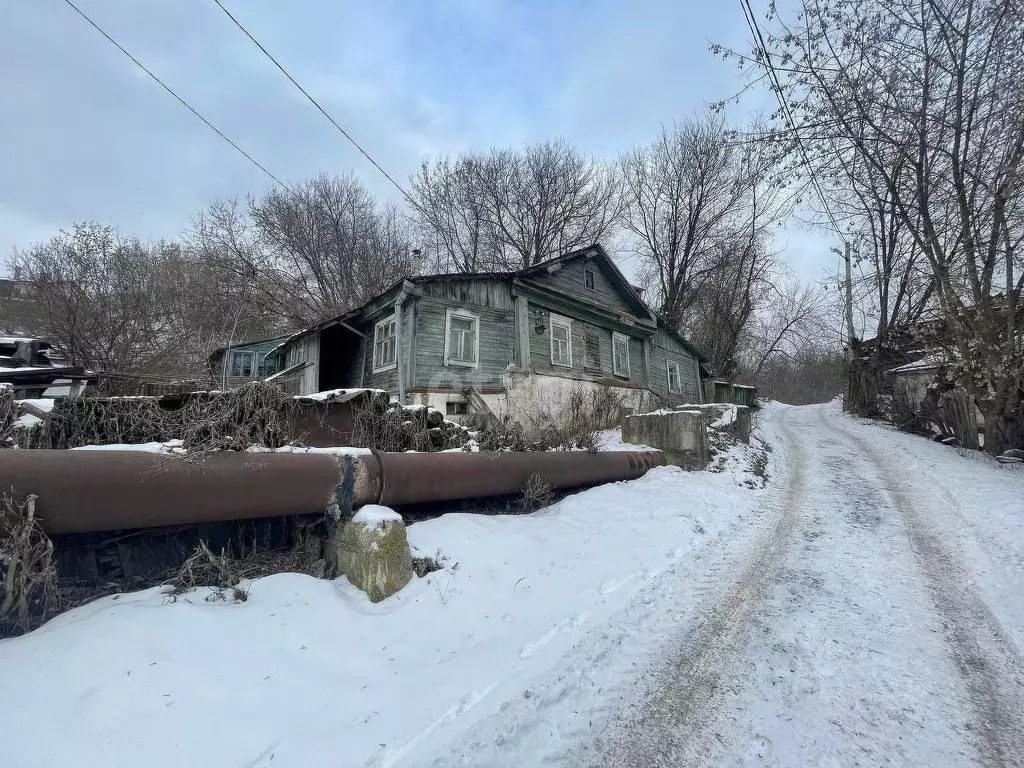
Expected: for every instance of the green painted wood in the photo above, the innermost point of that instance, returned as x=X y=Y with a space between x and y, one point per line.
x=569 y=279
x=664 y=348
x=496 y=348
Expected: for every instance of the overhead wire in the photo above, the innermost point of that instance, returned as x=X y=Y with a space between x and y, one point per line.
x=171 y=91
x=315 y=103
x=755 y=30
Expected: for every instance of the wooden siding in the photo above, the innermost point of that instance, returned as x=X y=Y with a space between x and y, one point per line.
x=305 y=350
x=497 y=340
x=387 y=380
x=540 y=350
x=569 y=280
x=492 y=293
x=664 y=348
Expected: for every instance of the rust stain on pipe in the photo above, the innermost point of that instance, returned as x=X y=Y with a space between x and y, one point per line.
x=83 y=491
x=410 y=478
x=108 y=490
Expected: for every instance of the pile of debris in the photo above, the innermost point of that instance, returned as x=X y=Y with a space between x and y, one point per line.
x=396 y=427
x=254 y=415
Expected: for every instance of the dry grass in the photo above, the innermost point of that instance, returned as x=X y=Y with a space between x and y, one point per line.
x=225 y=574
x=537 y=494
x=7 y=410
x=569 y=424
x=254 y=414
x=28 y=574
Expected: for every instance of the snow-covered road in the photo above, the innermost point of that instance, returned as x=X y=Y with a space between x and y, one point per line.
x=877 y=623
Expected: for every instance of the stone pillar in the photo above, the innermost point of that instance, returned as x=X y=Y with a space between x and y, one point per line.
x=372 y=551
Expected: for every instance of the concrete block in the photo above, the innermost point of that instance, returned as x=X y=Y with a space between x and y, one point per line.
x=372 y=551
x=734 y=420
x=680 y=435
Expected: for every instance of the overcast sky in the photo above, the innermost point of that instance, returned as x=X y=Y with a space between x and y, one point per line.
x=86 y=135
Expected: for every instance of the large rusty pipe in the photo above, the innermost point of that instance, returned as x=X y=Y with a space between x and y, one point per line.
x=109 y=490
x=410 y=478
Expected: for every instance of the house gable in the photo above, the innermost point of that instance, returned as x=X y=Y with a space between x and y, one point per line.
x=591 y=278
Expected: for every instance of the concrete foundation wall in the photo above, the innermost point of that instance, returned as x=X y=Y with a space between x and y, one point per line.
x=533 y=398
x=680 y=435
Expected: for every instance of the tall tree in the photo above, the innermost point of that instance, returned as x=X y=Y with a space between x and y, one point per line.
x=698 y=206
x=311 y=251
x=930 y=95
x=508 y=209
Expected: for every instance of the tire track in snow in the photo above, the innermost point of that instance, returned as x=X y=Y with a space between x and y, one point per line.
x=688 y=689
x=984 y=655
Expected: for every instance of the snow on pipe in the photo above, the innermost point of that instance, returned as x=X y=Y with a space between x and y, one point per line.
x=82 y=491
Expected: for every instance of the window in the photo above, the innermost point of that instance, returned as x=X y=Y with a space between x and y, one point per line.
x=588 y=278
x=453 y=408
x=462 y=338
x=242 y=364
x=675 y=377
x=620 y=355
x=592 y=350
x=385 y=352
x=270 y=364
x=561 y=341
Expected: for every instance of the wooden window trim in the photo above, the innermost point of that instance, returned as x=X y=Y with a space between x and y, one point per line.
x=620 y=338
x=589 y=272
x=463 y=314
x=393 y=317
x=566 y=323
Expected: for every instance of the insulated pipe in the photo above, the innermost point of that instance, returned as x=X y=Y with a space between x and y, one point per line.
x=82 y=491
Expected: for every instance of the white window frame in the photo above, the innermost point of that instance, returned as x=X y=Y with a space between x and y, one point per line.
x=620 y=338
x=562 y=322
x=462 y=314
x=381 y=367
x=669 y=364
x=251 y=354
x=593 y=276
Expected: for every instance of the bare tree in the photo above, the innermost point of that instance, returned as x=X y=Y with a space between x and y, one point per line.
x=452 y=215
x=930 y=95
x=94 y=295
x=792 y=321
x=699 y=206
x=116 y=304
x=509 y=209
x=312 y=251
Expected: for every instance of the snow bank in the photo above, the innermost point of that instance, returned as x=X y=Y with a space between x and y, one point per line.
x=309 y=672
x=611 y=440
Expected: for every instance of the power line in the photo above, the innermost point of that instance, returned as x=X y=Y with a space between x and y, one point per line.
x=167 y=88
x=315 y=103
x=755 y=30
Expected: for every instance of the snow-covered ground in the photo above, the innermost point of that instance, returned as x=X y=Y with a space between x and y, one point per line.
x=309 y=673
x=864 y=608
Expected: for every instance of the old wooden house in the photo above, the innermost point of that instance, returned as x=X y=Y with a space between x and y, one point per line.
x=509 y=341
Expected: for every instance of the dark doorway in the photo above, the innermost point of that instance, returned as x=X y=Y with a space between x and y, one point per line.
x=341 y=355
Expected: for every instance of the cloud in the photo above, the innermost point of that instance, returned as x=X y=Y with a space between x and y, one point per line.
x=91 y=137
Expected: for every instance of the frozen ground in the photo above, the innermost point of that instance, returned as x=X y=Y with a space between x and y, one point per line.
x=865 y=608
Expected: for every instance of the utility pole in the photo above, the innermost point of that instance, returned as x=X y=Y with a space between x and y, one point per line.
x=845 y=253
